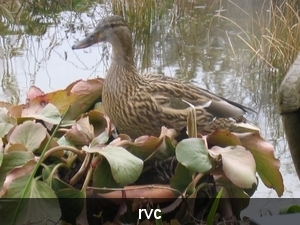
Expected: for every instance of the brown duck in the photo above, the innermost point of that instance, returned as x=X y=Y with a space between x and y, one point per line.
x=141 y=104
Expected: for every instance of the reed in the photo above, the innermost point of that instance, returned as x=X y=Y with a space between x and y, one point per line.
x=273 y=35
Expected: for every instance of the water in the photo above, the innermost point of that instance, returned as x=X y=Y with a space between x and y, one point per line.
x=218 y=62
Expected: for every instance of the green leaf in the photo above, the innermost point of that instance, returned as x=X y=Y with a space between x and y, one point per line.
x=12 y=160
x=16 y=173
x=182 y=178
x=102 y=176
x=57 y=184
x=213 y=209
x=64 y=142
x=29 y=134
x=6 y=122
x=100 y=139
x=38 y=206
x=1 y=158
x=71 y=202
x=193 y=154
x=290 y=209
x=48 y=114
x=159 y=221
x=125 y=167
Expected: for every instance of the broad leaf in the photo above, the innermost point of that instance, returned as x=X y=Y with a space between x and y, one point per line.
x=12 y=160
x=238 y=165
x=193 y=154
x=38 y=206
x=87 y=93
x=62 y=99
x=149 y=147
x=29 y=134
x=222 y=138
x=71 y=202
x=125 y=167
x=49 y=114
x=100 y=139
x=81 y=133
x=267 y=165
x=6 y=122
x=16 y=173
x=102 y=176
x=182 y=178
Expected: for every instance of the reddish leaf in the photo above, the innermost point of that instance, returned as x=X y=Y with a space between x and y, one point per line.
x=87 y=93
x=238 y=165
x=62 y=99
x=33 y=92
x=98 y=120
x=267 y=165
x=16 y=173
x=6 y=105
x=81 y=133
x=222 y=138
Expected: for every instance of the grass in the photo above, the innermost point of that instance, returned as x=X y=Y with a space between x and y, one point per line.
x=273 y=35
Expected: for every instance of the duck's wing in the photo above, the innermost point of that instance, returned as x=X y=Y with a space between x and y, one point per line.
x=176 y=94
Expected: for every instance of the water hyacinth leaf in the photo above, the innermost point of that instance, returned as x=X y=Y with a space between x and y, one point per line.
x=182 y=178
x=222 y=138
x=49 y=114
x=6 y=105
x=57 y=184
x=100 y=139
x=102 y=176
x=16 y=111
x=1 y=158
x=238 y=165
x=16 y=147
x=98 y=120
x=39 y=204
x=237 y=196
x=87 y=92
x=125 y=167
x=71 y=202
x=12 y=160
x=17 y=172
x=267 y=165
x=5 y=128
x=150 y=147
x=81 y=133
x=61 y=99
x=52 y=144
x=193 y=154
x=64 y=142
x=29 y=134
x=33 y=92
x=165 y=150
x=6 y=122
x=142 y=147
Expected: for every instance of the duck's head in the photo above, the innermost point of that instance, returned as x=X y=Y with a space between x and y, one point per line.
x=112 y=29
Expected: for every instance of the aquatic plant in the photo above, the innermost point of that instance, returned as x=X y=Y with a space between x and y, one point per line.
x=60 y=149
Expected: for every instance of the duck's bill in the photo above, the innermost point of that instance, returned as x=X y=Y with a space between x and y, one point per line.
x=86 y=42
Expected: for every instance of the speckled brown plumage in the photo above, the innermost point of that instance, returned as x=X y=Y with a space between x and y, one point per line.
x=142 y=104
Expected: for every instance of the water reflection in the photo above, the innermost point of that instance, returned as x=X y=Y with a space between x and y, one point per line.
x=178 y=40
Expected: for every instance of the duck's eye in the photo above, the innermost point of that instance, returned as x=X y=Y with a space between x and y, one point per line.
x=92 y=37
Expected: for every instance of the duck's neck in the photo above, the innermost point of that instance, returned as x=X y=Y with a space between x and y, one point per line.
x=122 y=51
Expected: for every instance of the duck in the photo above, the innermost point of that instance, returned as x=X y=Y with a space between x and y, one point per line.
x=140 y=104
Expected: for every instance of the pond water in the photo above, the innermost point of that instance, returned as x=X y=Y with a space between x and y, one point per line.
x=35 y=49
